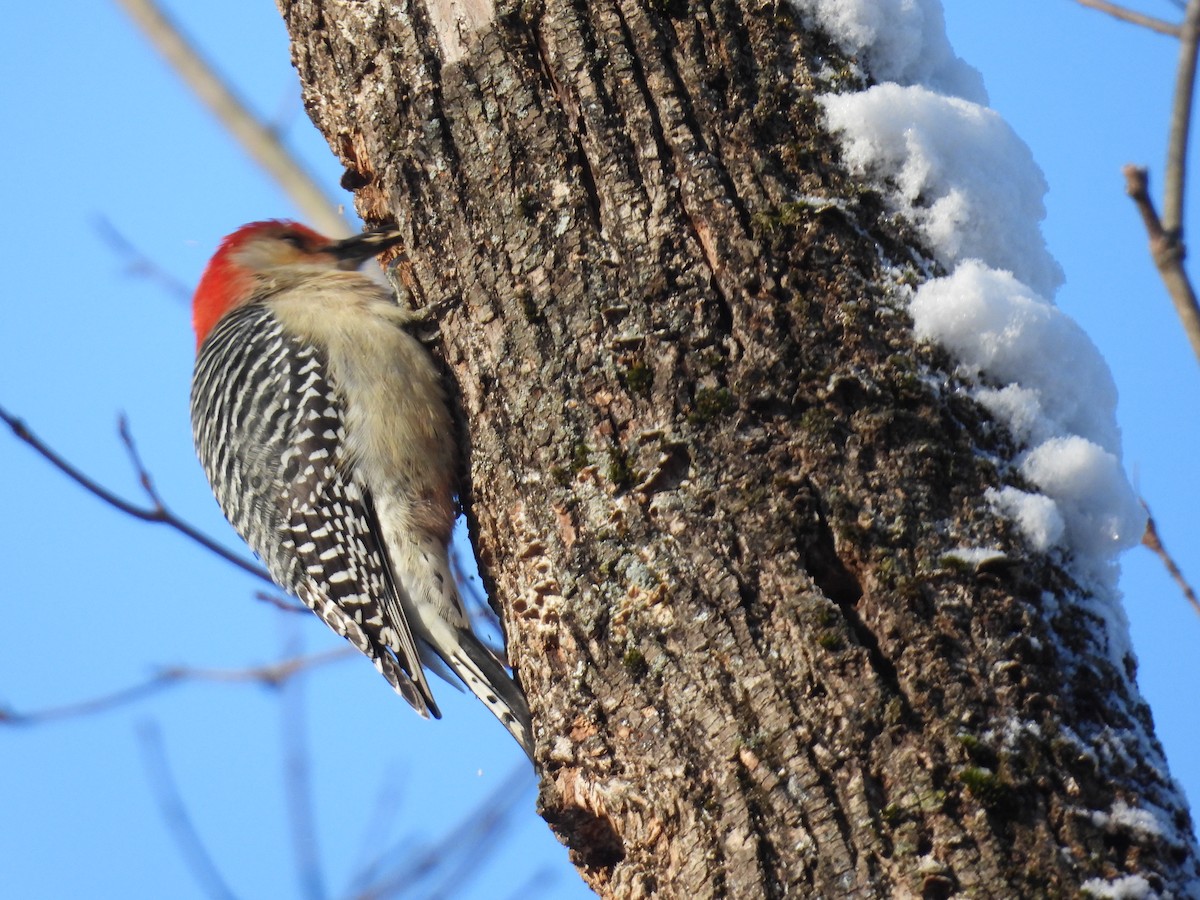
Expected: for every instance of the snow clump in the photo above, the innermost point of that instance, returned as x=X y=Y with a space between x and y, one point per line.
x=970 y=186
x=903 y=41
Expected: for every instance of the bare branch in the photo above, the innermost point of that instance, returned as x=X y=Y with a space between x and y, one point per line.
x=460 y=851
x=1151 y=540
x=271 y=675
x=1181 y=119
x=1128 y=15
x=261 y=142
x=480 y=835
x=100 y=704
x=135 y=458
x=137 y=263
x=1167 y=253
x=179 y=823
x=157 y=512
x=1167 y=247
x=379 y=822
x=281 y=603
x=298 y=789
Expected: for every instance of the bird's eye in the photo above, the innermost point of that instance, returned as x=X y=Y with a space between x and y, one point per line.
x=296 y=240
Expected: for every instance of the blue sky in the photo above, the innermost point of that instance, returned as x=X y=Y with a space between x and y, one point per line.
x=93 y=601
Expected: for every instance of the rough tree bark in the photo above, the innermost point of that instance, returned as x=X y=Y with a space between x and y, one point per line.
x=712 y=488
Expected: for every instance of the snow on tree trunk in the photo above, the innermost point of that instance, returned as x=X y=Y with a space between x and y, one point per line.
x=740 y=524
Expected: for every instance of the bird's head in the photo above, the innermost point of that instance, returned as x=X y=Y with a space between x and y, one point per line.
x=262 y=254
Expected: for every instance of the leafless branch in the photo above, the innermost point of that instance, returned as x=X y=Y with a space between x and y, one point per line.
x=100 y=704
x=135 y=458
x=138 y=263
x=1167 y=247
x=1128 y=15
x=270 y=675
x=458 y=853
x=179 y=823
x=1153 y=542
x=261 y=142
x=382 y=817
x=298 y=789
x=1181 y=120
x=480 y=835
x=281 y=603
x=156 y=512
x=1167 y=252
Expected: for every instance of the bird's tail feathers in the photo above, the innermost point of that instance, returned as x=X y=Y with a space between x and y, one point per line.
x=434 y=663
x=488 y=681
x=438 y=619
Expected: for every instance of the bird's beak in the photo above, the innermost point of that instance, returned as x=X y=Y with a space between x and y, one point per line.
x=354 y=251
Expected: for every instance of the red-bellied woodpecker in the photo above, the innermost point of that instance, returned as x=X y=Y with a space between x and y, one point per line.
x=323 y=428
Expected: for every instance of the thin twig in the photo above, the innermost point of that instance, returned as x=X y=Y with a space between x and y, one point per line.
x=1153 y=542
x=298 y=788
x=135 y=458
x=480 y=837
x=281 y=603
x=389 y=799
x=1167 y=247
x=1181 y=120
x=1128 y=15
x=461 y=851
x=261 y=142
x=179 y=823
x=1167 y=253
x=138 y=263
x=271 y=675
x=156 y=512
x=103 y=703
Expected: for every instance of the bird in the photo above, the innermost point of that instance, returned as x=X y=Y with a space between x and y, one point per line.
x=323 y=427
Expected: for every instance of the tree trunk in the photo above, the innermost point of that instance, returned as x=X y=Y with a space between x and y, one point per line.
x=713 y=490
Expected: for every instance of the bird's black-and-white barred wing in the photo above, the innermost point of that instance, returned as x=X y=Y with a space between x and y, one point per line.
x=267 y=418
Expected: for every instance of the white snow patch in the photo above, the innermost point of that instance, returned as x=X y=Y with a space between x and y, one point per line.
x=1058 y=399
x=1101 y=510
x=1012 y=732
x=1132 y=818
x=1019 y=407
x=956 y=170
x=1058 y=383
x=1036 y=515
x=959 y=173
x=1128 y=887
x=970 y=186
x=899 y=40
